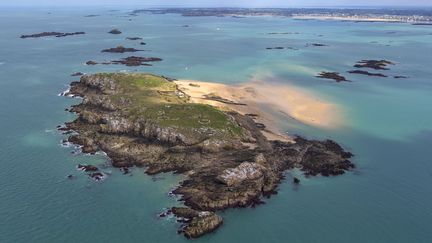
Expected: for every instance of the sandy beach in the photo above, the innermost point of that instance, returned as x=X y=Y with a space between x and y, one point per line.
x=266 y=103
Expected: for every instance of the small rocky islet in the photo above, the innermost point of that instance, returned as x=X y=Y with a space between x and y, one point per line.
x=120 y=49
x=115 y=32
x=370 y=64
x=131 y=61
x=144 y=120
x=50 y=34
x=332 y=75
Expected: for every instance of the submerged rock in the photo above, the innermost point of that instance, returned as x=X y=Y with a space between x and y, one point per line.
x=120 y=49
x=115 y=32
x=374 y=64
x=332 y=75
x=55 y=34
x=77 y=74
x=130 y=61
x=87 y=168
x=134 y=38
x=367 y=73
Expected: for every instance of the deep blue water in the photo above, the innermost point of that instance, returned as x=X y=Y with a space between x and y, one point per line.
x=387 y=126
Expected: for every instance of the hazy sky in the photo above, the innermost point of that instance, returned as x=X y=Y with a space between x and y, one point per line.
x=237 y=3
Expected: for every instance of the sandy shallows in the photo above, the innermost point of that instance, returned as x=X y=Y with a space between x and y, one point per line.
x=264 y=101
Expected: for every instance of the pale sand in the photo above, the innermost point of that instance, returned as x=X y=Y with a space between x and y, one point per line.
x=267 y=100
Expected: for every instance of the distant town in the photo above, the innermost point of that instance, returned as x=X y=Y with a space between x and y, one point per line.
x=414 y=16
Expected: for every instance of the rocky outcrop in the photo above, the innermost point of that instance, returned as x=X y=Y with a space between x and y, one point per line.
x=133 y=38
x=120 y=49
x=55 y=34
x=144 y=120
x=332 y=75
x=115 y=32
x=197 y=223
x=367 y=73
x=374 y=64
x=129 y=61
x=246 y=171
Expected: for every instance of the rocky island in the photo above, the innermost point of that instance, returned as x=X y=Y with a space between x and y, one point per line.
x=332 y=75
x=47 y=34
x=147 y=121
x=131 y=61
x=120 y=49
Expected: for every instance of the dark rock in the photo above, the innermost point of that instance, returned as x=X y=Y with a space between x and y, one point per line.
x=91 y=63
x=120 y=49
x=134 y=38
x=130 y=61
x=125 y=170
x=296 y=180
x=220 y=99
x=143 y=43
x=115 y=32
x=367 y=73
x=91 y=15
x=374 y=64
x=77 y=74
x=275 y=48
x=56 y=34
x=137 y=61
x=87 y=168
x=97 y=176
x=283 y=33
x=332 y=75
x=316 y=44
x=399 y=76
x=71 y=177
x=252 y=115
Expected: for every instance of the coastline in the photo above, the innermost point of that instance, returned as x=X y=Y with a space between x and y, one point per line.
x=347 y=18
x=264 y=101
x=230 y=159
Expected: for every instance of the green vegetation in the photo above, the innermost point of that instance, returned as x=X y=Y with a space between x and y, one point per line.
x=155 y=98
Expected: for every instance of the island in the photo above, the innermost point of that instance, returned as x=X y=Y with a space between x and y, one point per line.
x=115 y=32
x=47 y=34
x=131 y=61
x=332 y=75
x=120 y=49
x=228 y=159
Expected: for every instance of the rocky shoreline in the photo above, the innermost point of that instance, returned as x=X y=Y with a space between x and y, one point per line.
x=144 y=120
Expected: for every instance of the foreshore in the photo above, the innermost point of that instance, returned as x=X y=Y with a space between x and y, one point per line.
x=265 y=102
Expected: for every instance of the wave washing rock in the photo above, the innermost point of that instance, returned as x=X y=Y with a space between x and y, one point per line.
x=146 y=121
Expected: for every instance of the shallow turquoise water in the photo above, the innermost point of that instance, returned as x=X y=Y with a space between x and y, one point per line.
x=388 y=127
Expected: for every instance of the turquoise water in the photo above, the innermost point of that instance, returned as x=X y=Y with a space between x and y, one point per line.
x=387 y=126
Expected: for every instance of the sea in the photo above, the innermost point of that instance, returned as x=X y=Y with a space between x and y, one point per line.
x=386 y=124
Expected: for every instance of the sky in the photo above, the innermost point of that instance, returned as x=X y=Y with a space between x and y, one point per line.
x=220 y=3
